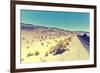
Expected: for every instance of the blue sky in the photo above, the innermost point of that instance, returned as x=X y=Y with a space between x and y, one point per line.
x=74 y=21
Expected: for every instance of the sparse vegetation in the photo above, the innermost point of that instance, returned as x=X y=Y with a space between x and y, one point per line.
x=43 y=61
x=36 y=53
x=28 y=47
x=46 y=54
x=69 y=39
x=42 y=44
x=47 y=46
x=48 y=42
x=30 y=54
x=60 y=46
x=67 y=49
x=67 y=43
x=23 y=38
x=40 y=40
x=27 y=42
x=55 y=40
x=41 y=37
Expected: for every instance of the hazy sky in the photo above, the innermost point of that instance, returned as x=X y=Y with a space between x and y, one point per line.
x=74 y=21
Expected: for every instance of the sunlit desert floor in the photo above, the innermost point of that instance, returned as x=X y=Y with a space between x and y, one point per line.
x=46 y=45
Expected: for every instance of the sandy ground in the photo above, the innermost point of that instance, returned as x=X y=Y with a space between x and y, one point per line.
x=37 y=46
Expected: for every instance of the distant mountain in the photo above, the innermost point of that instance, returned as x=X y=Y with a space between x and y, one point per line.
x=32 y=26
x=50 y=29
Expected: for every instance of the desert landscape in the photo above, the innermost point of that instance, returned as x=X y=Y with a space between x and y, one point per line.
x=49 y=44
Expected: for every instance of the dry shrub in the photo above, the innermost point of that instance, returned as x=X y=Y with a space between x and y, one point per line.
x=36 y=53
x=42 y=43
x=28 y=47
x=30 y=54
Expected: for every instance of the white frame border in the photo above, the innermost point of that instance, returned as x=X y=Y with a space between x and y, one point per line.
x=53 y=64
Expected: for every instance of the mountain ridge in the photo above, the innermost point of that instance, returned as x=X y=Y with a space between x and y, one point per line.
x=32 y=26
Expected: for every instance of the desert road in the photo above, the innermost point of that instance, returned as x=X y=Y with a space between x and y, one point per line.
x=85 y=43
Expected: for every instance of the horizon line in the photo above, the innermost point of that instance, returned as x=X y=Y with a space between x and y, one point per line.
x=56 y=28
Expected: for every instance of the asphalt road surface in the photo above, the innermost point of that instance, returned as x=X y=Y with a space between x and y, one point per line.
x=85 y=43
